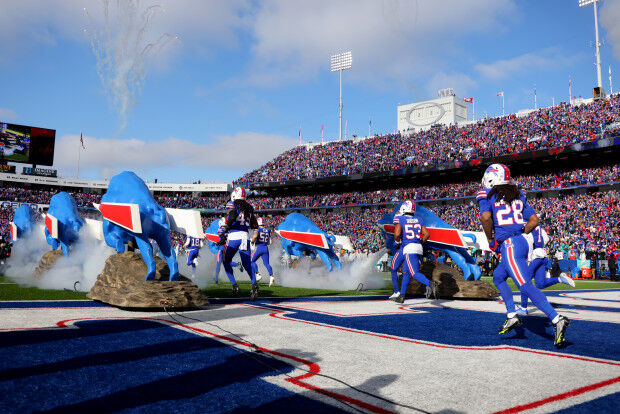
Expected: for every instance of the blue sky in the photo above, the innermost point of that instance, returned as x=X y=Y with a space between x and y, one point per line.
x=232 y=91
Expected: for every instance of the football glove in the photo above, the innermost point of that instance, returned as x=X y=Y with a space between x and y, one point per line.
x=494 y=245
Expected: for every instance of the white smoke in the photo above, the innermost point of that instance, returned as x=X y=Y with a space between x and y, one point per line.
x=359 y=272
x=88 y=256
x=123 y=52
x=78 y=271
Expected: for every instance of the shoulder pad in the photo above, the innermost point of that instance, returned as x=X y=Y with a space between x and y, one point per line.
x=482 y=194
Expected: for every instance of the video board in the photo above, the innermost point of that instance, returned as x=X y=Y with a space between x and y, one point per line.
x=26 y=144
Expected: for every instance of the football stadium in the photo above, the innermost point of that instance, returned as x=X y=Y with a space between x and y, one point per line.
x=173 y=238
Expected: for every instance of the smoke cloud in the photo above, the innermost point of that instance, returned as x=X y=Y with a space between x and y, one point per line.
x=78 y=271
x=357 y=273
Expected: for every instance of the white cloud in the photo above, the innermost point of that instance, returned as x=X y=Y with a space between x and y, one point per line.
x=501 y=69
x=105 y=156
x=610 y=16
x=200 y=24
x=7 y=114
x=391 y=40
x=461 y=83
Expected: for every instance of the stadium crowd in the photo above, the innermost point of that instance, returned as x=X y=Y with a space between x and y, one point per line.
x=562 y=179
x=577 y=223
x=556 y=126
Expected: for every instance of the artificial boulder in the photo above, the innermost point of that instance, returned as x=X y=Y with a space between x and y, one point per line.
x=122 y=284
x=452 y=283
x=47 y=262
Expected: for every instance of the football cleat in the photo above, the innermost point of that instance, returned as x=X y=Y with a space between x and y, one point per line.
x=235 y=290
x=567 y=280
x=272 y=280
x=394 y=295
x=258 y=277
x=560 y=328
x=510 y=324
x=240 y=267
x=254 y=293
x=521 y=311
x=432 y=290
x=399 y=299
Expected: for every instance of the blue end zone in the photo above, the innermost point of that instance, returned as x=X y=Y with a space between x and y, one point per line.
x=138 y=366
x=604 y=404
x=459 y=327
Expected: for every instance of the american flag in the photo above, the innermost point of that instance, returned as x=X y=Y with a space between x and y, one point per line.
x=82 y=141
x=500 y=93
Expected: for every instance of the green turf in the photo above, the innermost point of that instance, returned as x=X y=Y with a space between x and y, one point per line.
x=579 y=284
x=10 y=291
x=223 y=290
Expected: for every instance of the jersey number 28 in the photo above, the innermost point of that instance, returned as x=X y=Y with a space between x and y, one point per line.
x=510 y=214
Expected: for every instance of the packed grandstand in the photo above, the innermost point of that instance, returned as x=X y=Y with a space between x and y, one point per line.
x=579 y=202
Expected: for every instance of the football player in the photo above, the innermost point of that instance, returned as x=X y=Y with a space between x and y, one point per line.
x=192 y=247
x=240 y=219
x=538 y=266
x=221 y=231
x=506 y=217
x=261 y=241
x=410 y=233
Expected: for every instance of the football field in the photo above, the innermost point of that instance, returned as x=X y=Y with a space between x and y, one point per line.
x=352 y=354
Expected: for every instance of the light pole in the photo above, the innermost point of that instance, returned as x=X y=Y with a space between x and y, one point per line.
x=340 y=62
x=584 y=3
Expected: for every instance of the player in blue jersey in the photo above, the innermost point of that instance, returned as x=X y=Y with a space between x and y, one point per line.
x=192 y=247
x=221 y=232
x=410 y=233
x=538 y=267
x=506 y=217
x=240 y=219
x=261 y=241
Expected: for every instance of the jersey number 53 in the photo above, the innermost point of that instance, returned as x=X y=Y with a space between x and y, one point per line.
x=412 y=231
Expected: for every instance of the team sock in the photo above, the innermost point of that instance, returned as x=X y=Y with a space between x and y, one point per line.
x=539 y=300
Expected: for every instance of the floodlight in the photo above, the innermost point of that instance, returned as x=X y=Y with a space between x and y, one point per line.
x=597 y=63
x=340 y=62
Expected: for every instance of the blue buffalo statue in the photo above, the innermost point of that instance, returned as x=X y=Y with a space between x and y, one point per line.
x=211 y=234
x=62 y=222
x=130 y=213
x=459 y=255
x=301 y=237
x=23 y=221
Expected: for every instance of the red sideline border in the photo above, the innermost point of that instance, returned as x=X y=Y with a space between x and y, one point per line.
x=572 y=393
x=313 y=367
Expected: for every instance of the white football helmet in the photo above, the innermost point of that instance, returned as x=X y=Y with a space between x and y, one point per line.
x=222 y=222
x=238 y=194
x=407 y=207
x=259 y=220
x=496 y=174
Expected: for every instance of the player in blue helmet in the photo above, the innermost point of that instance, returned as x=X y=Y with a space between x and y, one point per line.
x=192 y=247
x=261 y=241
x=240 y=219
x=506 y=217
x=221 y=232
x=410 y=232
x=539 y=263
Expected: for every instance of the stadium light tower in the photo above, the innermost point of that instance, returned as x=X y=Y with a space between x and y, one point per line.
x=584 y=3
x=340 y=62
